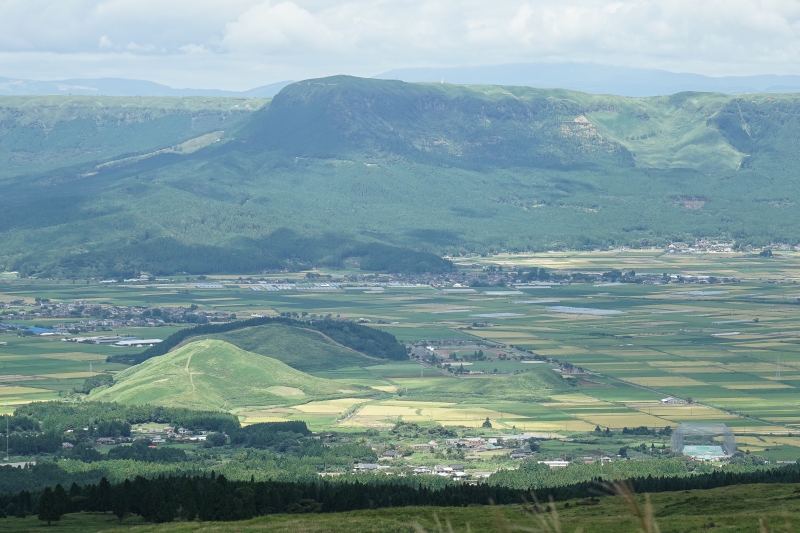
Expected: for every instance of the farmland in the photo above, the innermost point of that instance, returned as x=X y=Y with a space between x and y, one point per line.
x=719 y=345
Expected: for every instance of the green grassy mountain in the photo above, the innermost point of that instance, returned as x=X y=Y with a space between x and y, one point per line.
x=390 y=174
x=302 y=349
x=215 y=375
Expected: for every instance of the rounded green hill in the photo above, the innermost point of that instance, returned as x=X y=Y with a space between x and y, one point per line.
x=213 y=374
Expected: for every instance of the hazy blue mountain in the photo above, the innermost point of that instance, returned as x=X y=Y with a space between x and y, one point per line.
x=596 y=79
x=121 y=87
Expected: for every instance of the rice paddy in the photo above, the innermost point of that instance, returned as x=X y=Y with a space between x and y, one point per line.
x=732 y=348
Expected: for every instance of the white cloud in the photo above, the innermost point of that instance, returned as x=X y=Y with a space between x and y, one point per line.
x=134 y=47
x=251 y=42
x=283 y=26
x=194 y=49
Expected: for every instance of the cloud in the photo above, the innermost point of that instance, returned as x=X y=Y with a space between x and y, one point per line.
x=251 y=42
x=281 y=27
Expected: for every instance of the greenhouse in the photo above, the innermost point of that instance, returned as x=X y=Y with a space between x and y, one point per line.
x=704 y=442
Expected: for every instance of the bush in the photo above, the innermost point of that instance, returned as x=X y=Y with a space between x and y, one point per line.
x=215 y=439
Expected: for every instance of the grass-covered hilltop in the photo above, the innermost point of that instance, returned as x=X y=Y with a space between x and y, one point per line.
x=390 y=174
x=214 y=375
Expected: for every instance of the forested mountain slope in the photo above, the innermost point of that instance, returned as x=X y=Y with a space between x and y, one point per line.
x=390 y=173
x=45 y=132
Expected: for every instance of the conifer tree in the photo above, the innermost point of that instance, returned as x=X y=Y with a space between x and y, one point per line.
x=48 y=507
x=61 y=499
x=103 y=495
x=119 y=502
x=188 y=501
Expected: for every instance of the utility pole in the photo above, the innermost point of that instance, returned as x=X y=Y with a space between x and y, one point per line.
x=778 y=369
x=6 y=437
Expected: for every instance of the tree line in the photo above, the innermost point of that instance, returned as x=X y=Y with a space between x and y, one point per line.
x=216 y=498
x=62 y=416
x=282 y=249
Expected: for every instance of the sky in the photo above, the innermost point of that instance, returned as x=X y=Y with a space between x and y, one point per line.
x=240 y=44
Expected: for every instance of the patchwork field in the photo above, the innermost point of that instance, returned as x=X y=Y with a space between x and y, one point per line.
x=731 y=348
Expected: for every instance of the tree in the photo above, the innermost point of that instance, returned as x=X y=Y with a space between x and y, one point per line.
x=487 y=423
x=158 y=508
x=188 y=502
x=103 y=502
x=61 y=499
x=48 y=508
x=119 y=501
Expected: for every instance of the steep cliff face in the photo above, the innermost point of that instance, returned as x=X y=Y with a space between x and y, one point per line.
x=433 y=123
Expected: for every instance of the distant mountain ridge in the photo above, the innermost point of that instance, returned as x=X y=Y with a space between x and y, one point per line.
x=345 y=171
x=597 y=79
x=585 y=77
x=121 y=87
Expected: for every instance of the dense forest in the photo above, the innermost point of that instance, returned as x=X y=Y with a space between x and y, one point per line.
x=165 y=256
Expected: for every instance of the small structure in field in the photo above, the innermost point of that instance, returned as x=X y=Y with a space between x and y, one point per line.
x=704 y=442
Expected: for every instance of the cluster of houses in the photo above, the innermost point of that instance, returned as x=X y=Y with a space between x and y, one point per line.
x=155 y=436
x=180 y=434
x=90 y=316
x=455 y=471
x=474 y=444
x=702 y=246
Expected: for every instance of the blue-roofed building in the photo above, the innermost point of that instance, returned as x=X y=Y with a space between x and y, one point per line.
x=33 y=329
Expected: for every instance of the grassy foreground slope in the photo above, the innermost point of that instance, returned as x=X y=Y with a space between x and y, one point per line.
x=336 y=164
x=305 y=350
x=737 y=509
x=215 y=375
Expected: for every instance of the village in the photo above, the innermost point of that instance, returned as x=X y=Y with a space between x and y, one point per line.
x=522 y=447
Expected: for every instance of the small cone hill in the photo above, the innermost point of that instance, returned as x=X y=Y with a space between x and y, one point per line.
x=213 y=374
